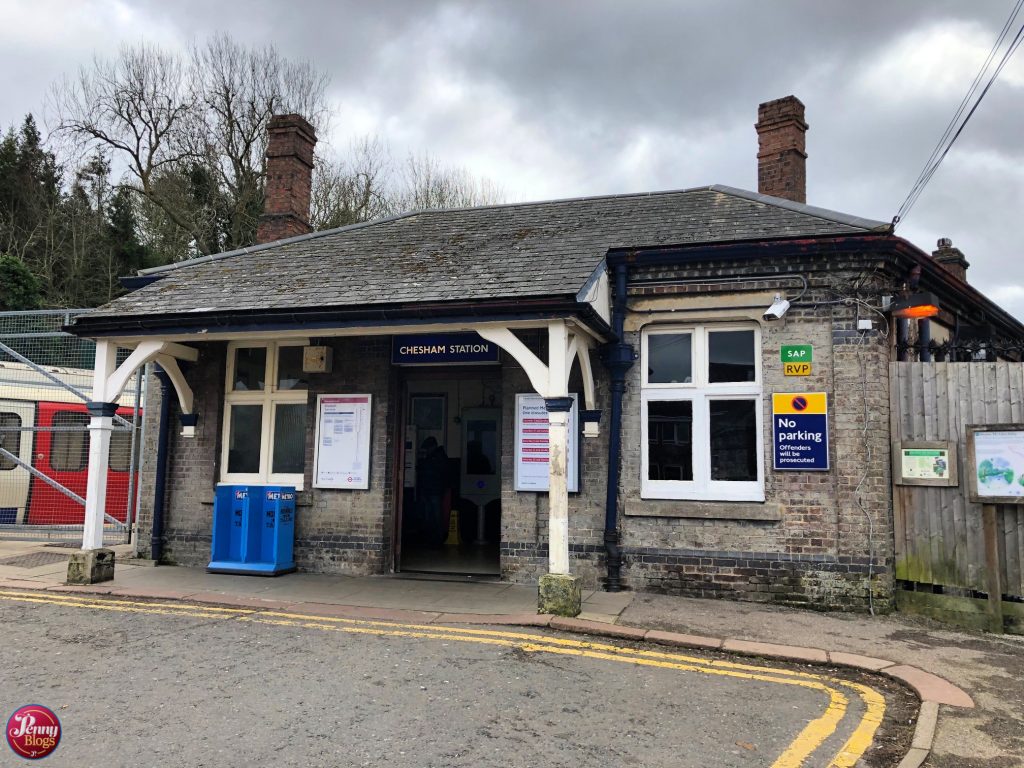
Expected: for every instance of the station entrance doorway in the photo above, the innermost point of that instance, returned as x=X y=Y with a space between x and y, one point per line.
x=449 y=505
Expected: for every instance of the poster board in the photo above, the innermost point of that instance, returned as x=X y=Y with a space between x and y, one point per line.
x=924 y=462
x=995 y=463
x=531 y=444
x=342 y=453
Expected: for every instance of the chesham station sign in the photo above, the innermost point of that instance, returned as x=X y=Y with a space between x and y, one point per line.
x=442 y=348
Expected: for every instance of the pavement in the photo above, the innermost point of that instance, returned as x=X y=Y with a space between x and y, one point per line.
x=971 y=684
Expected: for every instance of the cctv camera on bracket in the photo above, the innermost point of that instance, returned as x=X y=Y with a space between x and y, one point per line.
x=778 y=309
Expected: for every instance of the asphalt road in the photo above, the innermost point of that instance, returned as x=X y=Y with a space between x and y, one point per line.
x=138 y=684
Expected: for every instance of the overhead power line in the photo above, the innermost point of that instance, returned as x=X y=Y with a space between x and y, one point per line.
x=965 y=111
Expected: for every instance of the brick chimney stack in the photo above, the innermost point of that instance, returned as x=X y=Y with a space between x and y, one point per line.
x=951 y=258
x=781 y=155
x=290 y=143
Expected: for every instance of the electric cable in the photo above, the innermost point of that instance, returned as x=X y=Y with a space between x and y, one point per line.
x=949 y=136
x=967 y=97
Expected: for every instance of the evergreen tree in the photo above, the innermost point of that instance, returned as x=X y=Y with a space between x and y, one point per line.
x=19 y=288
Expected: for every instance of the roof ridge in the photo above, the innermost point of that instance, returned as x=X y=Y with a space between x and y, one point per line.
x=871 y=225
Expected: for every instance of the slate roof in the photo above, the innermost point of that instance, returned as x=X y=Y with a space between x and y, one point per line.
x=495 y=252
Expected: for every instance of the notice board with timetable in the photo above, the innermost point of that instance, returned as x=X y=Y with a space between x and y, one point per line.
x=342 y=452
x=531 y=447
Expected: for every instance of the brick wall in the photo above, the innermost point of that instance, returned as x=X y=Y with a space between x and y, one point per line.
x=813 y=541
x=809 y=542
x=336 y=531
x=192 y=463
x=524 y=514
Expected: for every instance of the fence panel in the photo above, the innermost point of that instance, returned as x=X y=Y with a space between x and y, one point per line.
x=939 y=538
x=45 y=381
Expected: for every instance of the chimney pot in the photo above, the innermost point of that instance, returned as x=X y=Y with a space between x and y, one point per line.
x=781 y=150
x=952 y=259
x=290 y=144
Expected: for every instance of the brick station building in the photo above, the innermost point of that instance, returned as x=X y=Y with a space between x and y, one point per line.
x=652 y=326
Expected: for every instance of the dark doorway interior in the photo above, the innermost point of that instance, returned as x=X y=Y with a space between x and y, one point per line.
x=451 y=490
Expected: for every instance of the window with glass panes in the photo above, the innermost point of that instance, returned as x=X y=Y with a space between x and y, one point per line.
x=265 y=414
x=701 y=413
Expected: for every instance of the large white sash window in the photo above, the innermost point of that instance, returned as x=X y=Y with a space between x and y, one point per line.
x=265 y=414
x=701 y=413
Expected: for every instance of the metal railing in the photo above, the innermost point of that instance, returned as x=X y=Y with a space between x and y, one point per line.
x=45 y=380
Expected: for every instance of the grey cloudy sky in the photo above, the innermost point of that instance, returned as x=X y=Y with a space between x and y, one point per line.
x=567 y=98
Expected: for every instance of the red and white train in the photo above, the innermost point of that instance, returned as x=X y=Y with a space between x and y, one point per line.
x=58 y=448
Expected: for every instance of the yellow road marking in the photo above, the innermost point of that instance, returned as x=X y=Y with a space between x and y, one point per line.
x=806 y=743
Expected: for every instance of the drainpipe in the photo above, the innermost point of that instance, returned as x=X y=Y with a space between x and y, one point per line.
x=902 y=339
x=156 y=542
x=924 y=340
x=618 y=359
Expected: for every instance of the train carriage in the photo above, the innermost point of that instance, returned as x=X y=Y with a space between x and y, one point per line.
x=45 y=425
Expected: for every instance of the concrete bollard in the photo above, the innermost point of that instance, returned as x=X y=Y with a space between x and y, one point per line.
x=91 y=566
x=559 y=594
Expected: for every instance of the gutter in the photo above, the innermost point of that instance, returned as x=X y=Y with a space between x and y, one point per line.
x=251 y=321
x=901 y=255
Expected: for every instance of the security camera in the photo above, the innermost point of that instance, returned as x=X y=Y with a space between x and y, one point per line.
x=778 y=309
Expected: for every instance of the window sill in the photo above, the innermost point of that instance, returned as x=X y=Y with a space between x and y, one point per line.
x=706 y=510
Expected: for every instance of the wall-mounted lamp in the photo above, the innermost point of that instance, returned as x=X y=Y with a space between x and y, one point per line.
x=915 y=306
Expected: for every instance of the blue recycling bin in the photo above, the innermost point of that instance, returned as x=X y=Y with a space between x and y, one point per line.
x=253 y=530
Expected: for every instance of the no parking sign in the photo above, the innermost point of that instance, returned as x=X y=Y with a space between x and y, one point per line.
x=800 y=430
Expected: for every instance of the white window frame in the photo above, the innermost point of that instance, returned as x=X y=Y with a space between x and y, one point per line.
x=269 y=397
x=700 y=392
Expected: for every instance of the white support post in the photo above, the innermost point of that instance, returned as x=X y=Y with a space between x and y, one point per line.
x=101 y=425
x=558 y=406
x=558 y=493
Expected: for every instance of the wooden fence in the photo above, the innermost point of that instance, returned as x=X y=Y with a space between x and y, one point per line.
x=940 y=542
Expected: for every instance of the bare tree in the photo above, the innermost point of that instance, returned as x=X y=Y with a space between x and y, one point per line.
x=352 y=189
x=426 y=183
x=239 y=89
x=201 y=117
x=136 y=105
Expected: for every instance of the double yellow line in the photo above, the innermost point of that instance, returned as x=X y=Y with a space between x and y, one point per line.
x=807 y=742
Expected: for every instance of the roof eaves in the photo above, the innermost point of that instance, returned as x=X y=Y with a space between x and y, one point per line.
x=869 y=225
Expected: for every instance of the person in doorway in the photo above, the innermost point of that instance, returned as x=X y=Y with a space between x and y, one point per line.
x=477 y=462
x=431 y=485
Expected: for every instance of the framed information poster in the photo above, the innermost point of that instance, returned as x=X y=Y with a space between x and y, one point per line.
x=995 y=459
x=531 y=449
x=342 y=453
x=924 y=462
